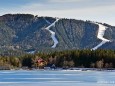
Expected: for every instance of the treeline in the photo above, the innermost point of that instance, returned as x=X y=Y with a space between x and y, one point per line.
x=64 y=59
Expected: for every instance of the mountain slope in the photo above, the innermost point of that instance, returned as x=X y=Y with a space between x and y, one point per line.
x=26 y=32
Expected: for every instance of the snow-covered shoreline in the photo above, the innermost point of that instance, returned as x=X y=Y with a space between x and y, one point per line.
x=100 y=35
x=52 y=32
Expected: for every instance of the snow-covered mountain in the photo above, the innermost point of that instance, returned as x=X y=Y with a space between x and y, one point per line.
x=26 y=32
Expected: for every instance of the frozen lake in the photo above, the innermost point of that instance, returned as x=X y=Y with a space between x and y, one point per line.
x=56 y=78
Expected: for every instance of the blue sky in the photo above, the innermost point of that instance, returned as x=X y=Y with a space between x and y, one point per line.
x=95 y=10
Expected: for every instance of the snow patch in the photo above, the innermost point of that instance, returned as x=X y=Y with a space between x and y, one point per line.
x=52 y=32
x=100 y=35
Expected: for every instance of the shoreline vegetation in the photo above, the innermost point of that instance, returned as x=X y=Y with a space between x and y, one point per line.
x=78 y=60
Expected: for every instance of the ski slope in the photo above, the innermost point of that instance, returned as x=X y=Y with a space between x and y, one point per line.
x=52 y=32
x=100 y=35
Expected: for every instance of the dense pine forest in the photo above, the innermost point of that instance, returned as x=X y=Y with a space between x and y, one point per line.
x=63 y=59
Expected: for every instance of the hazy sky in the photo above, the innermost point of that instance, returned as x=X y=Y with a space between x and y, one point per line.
x=95 y=10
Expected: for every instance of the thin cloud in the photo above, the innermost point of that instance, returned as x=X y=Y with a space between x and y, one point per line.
x=65 y=1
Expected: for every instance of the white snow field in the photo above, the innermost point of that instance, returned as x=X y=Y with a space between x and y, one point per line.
x=100 y=35
x=52 y=32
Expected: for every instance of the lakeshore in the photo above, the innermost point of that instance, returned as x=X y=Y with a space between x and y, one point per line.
x=60 y=69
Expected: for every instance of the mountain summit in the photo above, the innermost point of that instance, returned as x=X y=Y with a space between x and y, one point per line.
x=28 y=32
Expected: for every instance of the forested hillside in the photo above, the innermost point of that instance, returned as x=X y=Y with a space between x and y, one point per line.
x=23 y=32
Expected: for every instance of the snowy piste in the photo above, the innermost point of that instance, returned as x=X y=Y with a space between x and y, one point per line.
x=100 y=35
x=52 y=32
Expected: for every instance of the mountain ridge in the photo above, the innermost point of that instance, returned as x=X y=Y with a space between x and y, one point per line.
x=26 y=31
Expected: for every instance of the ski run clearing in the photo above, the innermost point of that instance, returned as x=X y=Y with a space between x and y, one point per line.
x=100 y=35
x=52 y=32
